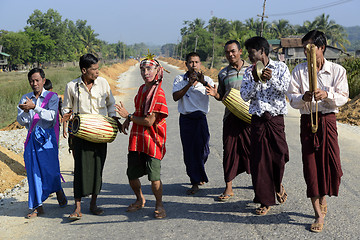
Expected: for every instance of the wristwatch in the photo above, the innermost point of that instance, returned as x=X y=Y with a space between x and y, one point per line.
x=129 y=117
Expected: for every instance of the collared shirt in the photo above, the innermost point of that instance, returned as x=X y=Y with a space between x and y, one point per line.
x=47 y=114
x=195 y=99
x=268 y=96
x=331 y=78
x=149 y=140
x=229 y=77
x=79 y=99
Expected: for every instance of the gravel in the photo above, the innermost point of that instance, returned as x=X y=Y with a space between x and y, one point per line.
x=13 y=140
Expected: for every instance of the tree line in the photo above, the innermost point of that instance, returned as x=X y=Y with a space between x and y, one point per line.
x=208 y=39
x=48 y=38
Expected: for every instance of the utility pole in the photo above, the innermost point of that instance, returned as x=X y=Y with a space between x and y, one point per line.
x=213 y=48
x=262 y=19
x=196 y=42
x=182 y=42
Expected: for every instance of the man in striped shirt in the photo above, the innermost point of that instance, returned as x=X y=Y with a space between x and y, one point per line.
x=236 y=132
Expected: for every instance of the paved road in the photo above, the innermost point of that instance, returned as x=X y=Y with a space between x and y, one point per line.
x=199 y=216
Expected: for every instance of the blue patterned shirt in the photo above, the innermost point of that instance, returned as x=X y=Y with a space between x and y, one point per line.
x=269 y=96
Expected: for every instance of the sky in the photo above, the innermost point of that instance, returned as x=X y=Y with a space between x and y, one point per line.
x=159 y=22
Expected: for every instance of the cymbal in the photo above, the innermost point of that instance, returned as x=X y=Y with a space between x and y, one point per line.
x=259 y=69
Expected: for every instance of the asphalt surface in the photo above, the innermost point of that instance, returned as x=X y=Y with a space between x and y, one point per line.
x=199 y=216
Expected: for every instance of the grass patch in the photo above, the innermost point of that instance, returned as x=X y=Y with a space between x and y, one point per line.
x=15 y=84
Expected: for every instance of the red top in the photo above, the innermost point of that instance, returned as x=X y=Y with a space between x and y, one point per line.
x=150 y=140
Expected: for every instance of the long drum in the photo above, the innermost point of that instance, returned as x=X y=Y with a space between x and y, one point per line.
x=233 y=101
x=94 y=128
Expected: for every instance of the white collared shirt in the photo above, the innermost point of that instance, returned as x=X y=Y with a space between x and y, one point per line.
x=97 y=101
x=331 y=78
x=195 y=99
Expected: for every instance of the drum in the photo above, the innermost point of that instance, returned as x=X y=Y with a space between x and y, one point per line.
x=233 y=101
x=94 y=128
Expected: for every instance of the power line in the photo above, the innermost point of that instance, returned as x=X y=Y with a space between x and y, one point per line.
x=311 y=9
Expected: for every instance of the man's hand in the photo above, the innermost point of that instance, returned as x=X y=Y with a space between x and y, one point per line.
x=66 y=117
x=125 y=126
x=212 y=91
x=266 y=74
x=320 y=95
x=120 y=109
x=307 y=97
x=192 y=76
x=29 y=104
x=119 y=125
x=201 y=79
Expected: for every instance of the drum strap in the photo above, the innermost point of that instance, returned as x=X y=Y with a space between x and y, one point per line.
x=78 y=99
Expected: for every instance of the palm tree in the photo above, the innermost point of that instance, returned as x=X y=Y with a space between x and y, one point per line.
x=88 y=38
x=281 y=28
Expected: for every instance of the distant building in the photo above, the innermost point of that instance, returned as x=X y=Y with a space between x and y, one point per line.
x=293 y=51
x=3 y=58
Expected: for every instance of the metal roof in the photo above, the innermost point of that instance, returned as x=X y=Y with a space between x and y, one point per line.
x=5 y=54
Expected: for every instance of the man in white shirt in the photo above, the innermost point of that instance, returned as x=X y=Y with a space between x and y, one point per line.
x=320 y=150
x=189 y=90
x=88 y=94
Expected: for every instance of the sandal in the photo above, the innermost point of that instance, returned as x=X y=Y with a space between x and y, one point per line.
x=317 y=227
x=262 y=210
x=34 y=214
x=160 y=213
x=281 y=197
x=134 y=207
x=63 y=201
x=224 y=197
x=75 y=216
x=96 y=210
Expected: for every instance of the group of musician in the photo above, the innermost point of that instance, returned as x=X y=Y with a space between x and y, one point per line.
x=258 y=148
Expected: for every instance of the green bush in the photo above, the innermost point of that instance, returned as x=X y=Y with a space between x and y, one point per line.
x=352 y=66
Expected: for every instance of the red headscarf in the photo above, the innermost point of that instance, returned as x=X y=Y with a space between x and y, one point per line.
x=151 y=97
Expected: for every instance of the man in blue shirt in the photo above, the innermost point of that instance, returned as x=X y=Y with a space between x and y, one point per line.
x=38 y=112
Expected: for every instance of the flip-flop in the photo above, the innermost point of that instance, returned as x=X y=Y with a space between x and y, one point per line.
x=160 y=213
x=33 y=214
x=317 y=227
x=224 y=197
x=134 y=207
x=262 y=210
x=75 y=216
x=281 y=197
x=63 y=202
x=97 y=211
x=192 y=191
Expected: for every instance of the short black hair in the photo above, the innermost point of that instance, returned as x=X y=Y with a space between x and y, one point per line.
x=233 y=41
x=48 y=84
x=317 y=37
x=258 y=43
x=87 y=60
x=36 y=70
x=192 y=54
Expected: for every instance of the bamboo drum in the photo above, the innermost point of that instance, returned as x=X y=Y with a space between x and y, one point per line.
x=233 y=101
x=94 y=128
